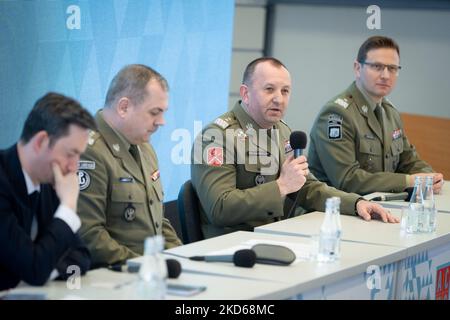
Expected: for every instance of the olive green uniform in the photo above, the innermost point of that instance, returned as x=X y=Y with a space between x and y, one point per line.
x=119 y=204
x=234 y=172
x=351 y=151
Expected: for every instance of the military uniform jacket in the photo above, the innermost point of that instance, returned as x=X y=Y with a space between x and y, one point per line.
x=234 y=171
x=119 y=204
x=351 y=151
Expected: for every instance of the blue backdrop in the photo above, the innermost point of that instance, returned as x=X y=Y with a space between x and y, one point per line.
x=76 y=47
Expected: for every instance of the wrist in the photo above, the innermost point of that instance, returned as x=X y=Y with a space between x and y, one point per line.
x=356 y=205
x=282 y=188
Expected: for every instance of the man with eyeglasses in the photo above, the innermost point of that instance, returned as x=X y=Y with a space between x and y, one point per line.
x=358 y=143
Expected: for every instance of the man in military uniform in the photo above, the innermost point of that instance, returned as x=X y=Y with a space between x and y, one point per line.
x=121 y=198
x=358 y=143
x=243 y=169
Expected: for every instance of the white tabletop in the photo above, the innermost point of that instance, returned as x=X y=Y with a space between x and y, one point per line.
x=103 y=284
x=297 y=277
x=442 y=200
x=358 y=230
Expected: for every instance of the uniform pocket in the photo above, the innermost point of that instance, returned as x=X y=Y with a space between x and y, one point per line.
x=370 y=155
x=127 y=207
x=127 y=192
x=397 y=147
x=369 y=146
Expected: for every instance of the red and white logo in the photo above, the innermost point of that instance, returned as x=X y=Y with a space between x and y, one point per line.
x=442 y=281
x=215 y=156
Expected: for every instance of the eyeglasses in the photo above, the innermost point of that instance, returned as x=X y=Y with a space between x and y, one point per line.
x=379 y=67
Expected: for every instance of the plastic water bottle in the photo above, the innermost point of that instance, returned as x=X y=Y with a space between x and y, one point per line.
x=153 y=271
x=337 y=218
x=416 y=219
x=429 y=204
x=330 y=232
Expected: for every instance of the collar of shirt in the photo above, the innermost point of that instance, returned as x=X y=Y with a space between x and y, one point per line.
x=245 y=117
x=31 y=187
x=372 y=104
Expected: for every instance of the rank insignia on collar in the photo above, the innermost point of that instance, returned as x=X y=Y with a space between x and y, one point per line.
x=116 y=147
x=155 y=175
x=364 y=109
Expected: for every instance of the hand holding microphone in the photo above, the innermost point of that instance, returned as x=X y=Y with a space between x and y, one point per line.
x=294 y=170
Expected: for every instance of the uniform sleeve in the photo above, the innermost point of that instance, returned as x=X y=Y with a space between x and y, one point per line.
x=170 y=235
x=338 y=158
x=224 y=204
x=410 y=161
x=92 y=204
x=313 y=195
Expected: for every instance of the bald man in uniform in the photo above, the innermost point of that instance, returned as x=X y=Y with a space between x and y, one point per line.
x=243 y=167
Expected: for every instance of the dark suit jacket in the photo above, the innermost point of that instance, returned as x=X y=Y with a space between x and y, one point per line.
x=55 y=246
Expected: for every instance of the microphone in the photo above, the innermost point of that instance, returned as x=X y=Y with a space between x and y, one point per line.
x=242 y=258
x=390 y=197
x=173 y=268
x=298 y=140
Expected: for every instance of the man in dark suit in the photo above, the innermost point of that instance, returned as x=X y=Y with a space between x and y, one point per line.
x=39 y=193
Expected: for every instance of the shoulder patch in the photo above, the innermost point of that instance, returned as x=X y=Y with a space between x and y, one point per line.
x=334 y=129
x=342 y=102
x=221 y=123
x=84 y=179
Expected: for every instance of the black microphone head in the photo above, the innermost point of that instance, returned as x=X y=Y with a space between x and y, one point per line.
x=244 y=258
x=298 y=140
x=173 y=268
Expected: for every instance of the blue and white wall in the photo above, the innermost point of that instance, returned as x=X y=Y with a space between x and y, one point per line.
x=76 y=47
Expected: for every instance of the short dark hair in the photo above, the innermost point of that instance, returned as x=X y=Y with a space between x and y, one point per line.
x=131 y=81
x=54 y=113
x=250 y=69
x=376 y=42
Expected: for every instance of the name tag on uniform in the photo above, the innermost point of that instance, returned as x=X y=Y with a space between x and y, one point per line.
x=258 y=153
x=126 y=179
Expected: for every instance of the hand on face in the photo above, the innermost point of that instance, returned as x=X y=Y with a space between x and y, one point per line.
x=66 y=186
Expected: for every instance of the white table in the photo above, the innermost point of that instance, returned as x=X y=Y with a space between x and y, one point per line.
x=442 y=200
x=103 y=284
x=344 y=279
x=427 y=254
